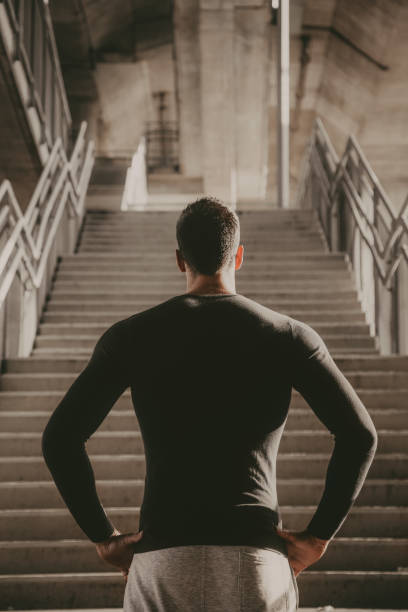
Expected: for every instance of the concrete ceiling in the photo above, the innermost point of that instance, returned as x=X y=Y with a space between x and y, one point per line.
x=90 y=31
x=126 y=26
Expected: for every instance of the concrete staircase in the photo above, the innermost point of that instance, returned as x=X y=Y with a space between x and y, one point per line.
x=125 y=263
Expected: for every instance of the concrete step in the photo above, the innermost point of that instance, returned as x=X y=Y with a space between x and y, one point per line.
x=249 y=238
x=351 y=589
x=293 y=305
x=351 y=341
x=283 y=259
x=108 y=442
x=66 y=329
x=121 y=419
x=249 y=235
x=101 y=247
x=168 y=265
x=70 y=591
x=261 y=220
x=385 y=399
x=132 y=306
x=87 y=286
x=123 y=244
x=303 y=491
x=110 y=467
x=57 y=523
x=302 y=609
x=169 y=232
x=62 y=380
x=174 y=183
x=253 y=213
x=375 y=363
x=158 y=217
x=164 y=291
x=58 y=556
x=134 y=275
x=262 y=224
x=352 y=315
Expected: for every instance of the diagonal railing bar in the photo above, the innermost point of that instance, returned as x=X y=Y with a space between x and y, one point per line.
x=397 y=229
x=27 y=238
x=355 y=210
x=36 y=70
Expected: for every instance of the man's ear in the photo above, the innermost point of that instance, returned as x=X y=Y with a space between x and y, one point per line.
x=180 y=261
x=239 y=257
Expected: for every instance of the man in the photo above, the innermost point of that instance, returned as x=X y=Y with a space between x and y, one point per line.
x=211 y=373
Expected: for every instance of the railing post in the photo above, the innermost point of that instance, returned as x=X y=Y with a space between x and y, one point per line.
x=394 y=323
x=376 y=278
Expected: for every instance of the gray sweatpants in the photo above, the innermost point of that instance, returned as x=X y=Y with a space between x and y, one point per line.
x=215 y=578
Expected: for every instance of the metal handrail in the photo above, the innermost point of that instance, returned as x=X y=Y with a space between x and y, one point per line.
x=348 y=185
x=27 y=238
x=46 y=92
x=397 y=225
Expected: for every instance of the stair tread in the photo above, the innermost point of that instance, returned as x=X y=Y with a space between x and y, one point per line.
x=122 y=481
x=87 y=543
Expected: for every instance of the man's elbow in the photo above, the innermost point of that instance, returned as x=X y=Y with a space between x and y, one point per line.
x=48 y=445
x=53 y=444
x=368 y=439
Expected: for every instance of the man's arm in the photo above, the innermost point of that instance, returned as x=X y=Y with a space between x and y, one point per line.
x=77 y=416
x=334 y=401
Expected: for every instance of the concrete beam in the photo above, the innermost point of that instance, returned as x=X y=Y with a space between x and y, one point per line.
x=187 y=61
x=217 y=98
x=251 y=92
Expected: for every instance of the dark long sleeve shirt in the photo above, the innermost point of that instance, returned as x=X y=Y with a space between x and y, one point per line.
x=211 y=378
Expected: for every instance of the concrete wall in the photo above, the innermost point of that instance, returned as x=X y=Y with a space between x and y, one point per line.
x=124 y=107
x=226 y=86
x=383 y=132
x=222 y=64
x=354 y=78
x=252 y=66
x=125 y=100
x=188 y=85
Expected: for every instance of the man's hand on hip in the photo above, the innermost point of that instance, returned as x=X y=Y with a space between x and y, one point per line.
x=118 y=550
x=303 y=548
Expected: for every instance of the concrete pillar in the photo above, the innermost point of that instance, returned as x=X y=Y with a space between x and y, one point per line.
x=251 y=52
x=187 y=59
x=217 y=98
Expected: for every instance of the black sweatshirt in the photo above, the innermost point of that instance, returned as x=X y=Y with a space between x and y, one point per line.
x=211 y=379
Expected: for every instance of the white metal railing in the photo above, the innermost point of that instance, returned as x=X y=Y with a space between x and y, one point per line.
x=357 y=217
x=26 y=239
x=28 y=39
x=135 y=191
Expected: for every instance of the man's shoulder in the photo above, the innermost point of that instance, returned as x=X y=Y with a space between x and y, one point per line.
x=142 y=316
x=300 y=333
x=265 y=314
x=251 y=308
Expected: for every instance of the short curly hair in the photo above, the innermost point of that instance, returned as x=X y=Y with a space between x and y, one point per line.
x=208 y=235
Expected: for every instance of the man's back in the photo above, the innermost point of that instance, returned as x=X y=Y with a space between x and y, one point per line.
x=210 y=382
x=211 y=379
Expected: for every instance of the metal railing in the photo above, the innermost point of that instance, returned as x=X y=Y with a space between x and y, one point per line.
x=28 y=38
x=162 y=142
x=27 y=241
x=358 y=218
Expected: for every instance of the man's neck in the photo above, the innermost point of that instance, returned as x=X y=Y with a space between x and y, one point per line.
x=203 y=284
